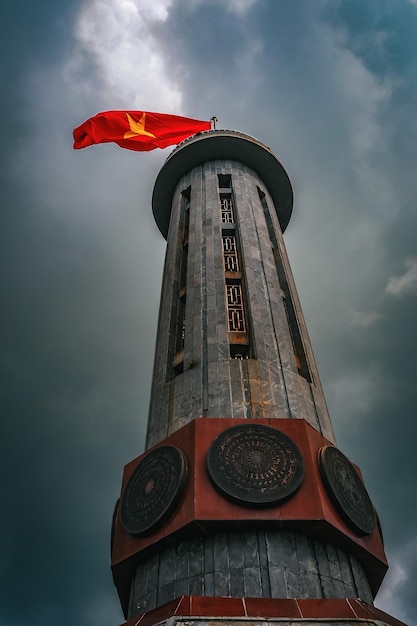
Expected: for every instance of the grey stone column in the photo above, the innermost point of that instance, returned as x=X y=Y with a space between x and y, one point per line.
x=269 y=385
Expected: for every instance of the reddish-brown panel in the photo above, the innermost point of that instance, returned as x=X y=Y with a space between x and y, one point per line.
x=271 y=607
x=227 y=607
x=311 y=609
x=202 y=506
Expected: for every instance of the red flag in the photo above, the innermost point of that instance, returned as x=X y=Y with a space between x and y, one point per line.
x=136 y=130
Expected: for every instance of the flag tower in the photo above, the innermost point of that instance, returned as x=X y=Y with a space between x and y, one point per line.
x=241 y=507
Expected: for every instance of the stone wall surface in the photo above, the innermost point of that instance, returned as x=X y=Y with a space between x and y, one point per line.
x=264 y=564
x=212 y=384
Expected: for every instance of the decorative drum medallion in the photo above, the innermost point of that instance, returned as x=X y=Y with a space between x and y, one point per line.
x=255 y=465
x=153 y=490
x=346 y=490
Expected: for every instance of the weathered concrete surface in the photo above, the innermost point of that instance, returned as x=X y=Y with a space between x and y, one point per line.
x=264 y=564
x=213 y=385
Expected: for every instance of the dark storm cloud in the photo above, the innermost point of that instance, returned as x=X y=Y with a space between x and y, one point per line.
x=331 y=87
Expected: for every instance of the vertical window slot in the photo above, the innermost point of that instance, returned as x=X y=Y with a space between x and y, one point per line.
x=180 y=310
x=295 y=333
x=235 y=302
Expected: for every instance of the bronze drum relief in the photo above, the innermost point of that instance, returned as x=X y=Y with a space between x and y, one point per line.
x=255 y=465
x=153 y=490
x=346 y=490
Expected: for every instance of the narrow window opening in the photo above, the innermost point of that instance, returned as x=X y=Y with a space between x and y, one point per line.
x=178 y=369
x=177 y=358
x=238 y=352
x=180 y=336
x=239 y=347
x=225 y=182
x=183 y=270
x=186 y=197
x=226 y=201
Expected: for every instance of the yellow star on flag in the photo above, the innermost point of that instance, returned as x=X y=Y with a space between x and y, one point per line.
x=137 y=128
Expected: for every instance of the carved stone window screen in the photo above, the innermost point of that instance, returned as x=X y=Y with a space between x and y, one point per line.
x=230 y=257
x=235 y=311
x=227 y=209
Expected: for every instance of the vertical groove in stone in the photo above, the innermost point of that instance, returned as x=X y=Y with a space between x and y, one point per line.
x=251 y=571
x=335 y=573
x=209 y=566
x=221 y=575
x=152 y=582
x=360 y=580
x=236 y=565
x=204 y=320
x=263 y=562
x=292 y=569
x=276 y=566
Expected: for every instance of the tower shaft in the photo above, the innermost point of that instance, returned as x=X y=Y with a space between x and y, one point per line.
x=232 y=340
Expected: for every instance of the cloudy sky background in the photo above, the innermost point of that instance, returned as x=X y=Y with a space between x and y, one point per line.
x=331 y=86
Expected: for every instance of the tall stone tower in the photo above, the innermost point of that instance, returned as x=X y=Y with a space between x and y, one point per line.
x=242 y=507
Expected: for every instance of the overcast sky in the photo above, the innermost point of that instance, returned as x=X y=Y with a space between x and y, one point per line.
x=331 y=87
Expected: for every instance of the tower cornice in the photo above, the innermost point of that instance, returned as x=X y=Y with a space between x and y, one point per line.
x=215 y=145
